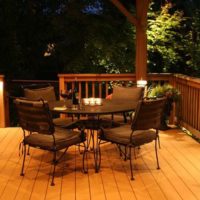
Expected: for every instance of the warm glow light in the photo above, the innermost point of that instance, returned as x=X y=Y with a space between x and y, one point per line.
x=141 y=83
x=85 y=101
x=1 y=85
x=92 y=101
x=2 y=111
x=98 y=101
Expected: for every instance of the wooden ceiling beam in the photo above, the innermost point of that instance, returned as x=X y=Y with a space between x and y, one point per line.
x=123 y=10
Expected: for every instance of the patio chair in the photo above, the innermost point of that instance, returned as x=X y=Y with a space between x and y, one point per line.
x=121 y=93
x=35 y=91
x=47 y=93
x=143 y=129
x=39 y=131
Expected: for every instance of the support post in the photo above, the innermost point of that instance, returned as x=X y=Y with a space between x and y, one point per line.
x=140 y=22
x=141 y=39
x=2 y=103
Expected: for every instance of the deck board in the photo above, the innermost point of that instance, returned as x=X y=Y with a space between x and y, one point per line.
x=68 y=190
x=178 y=178
x=39 y=188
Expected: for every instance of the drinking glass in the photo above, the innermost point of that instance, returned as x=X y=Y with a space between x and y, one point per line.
x=65 y=95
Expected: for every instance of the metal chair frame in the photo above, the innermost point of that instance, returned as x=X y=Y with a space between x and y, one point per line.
x=137 y=125
x=24 y=120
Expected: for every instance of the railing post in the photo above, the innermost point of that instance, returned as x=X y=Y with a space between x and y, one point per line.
x=61 y=84
x=2 y=103
x=172 y=119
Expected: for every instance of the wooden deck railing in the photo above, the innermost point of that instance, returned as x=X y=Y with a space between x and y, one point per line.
x=189 y=109
x=100 y=85
x=92 y=85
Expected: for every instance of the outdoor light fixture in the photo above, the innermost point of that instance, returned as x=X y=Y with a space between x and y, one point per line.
x=141 y=83
x=2 y=112
x=1 y=85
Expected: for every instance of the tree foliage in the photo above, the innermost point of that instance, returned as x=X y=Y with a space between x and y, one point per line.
x=103 y=47
x=193 y=45
x=41 y=38
x=174 y=38
x=164 y=39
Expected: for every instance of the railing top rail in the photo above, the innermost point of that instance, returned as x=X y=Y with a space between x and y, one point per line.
x=128 y=76
x=113 y=77
x=187 y=80
x=34 y=81
x=159 y=76
x=96 y=77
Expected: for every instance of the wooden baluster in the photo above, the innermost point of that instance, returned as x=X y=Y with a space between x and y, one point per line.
x=93 y=89
x=73 y=85
x=86 y=89
x=106 y=88
x=62 y=82
x=100 y=89
x=79 y=90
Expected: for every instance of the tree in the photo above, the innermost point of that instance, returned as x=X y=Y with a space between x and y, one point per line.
x=96 y=44
x=165 y=39
x=9 y=48
x=43 y=38
x=193 y=45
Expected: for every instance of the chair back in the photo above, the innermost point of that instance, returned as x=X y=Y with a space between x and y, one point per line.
x=36 y=92
x=35 y=85
x=131 y=93
x=148 y=114
x=34 y=116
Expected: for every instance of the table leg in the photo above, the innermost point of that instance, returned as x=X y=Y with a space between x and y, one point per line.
x=97 y=154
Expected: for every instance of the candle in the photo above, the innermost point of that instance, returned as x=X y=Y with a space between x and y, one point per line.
x=92 y=101
x=98 y=101
x=86 y=101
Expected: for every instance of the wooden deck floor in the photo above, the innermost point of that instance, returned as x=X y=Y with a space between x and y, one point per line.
x=178 y=178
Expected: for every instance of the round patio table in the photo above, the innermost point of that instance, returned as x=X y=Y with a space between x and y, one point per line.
x=107 y=107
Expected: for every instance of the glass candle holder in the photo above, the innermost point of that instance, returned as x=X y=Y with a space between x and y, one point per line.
x=98 y=101
x=92 y=101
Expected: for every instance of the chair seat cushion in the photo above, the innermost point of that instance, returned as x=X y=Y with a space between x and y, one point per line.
x=121 y=135
x=65 y=123
x=63 y=139
x=117 y=118
x=61 y=121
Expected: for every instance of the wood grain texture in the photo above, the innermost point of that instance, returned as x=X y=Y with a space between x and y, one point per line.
x=178 y=178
